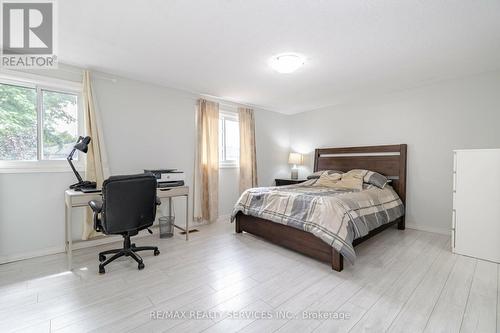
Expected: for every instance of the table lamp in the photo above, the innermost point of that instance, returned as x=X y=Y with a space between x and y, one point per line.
x=82 y=144
x=295 y=159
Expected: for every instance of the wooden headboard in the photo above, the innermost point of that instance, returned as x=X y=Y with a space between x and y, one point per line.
x=389 y=161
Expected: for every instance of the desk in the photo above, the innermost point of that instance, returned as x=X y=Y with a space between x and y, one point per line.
x=74 y=198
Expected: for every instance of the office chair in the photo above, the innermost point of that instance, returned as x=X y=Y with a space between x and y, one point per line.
x=128 y=205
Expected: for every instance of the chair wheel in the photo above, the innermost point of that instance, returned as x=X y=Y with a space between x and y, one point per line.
x=141 y=265
x=157 y=252
x=102 y=257
x=101 y=270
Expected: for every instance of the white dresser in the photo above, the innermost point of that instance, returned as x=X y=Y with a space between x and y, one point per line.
x=476 y=203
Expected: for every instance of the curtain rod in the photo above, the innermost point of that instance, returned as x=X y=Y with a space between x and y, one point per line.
x=226 y=102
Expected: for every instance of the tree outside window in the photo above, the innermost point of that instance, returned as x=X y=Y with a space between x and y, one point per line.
x=36 y=124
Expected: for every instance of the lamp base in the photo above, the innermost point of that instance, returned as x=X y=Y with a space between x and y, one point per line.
x=80 y=185
x=295 y=174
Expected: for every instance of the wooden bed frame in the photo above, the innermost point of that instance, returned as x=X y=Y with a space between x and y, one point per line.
x=387 y=160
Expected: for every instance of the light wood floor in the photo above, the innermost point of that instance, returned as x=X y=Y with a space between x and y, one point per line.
x=403 y=281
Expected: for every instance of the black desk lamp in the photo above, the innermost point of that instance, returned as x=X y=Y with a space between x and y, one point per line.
x=82 y=145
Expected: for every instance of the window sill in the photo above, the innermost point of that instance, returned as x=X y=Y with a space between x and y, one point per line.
x=38 y=167
x=229 y=166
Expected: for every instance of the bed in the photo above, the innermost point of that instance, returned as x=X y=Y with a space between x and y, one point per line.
x=388 y=160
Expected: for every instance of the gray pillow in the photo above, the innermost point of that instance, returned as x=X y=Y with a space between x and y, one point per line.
x=318 y=174
x=375 y=178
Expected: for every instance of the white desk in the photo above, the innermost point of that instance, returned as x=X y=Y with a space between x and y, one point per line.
x=74 y=198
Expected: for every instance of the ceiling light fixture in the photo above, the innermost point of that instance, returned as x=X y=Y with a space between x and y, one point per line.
x=287 y=62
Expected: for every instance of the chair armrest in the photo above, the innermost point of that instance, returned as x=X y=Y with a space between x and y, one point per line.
x=96 y=206
x=158 y=201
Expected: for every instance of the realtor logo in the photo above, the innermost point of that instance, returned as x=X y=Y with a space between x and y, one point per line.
x=28 y=34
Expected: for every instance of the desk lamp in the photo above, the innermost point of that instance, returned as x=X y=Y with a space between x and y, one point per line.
x=82 y=144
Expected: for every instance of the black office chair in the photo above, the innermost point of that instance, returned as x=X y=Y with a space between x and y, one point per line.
x=128 y=205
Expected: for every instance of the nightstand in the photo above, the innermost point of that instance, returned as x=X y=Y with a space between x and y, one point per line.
x=288 y=181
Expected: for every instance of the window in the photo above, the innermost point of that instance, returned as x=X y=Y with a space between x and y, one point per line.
x=18 y=123
x=229 y=139
x=60 y=124
x=38 y=123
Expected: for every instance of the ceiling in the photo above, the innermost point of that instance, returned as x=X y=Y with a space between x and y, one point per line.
x=222 y=47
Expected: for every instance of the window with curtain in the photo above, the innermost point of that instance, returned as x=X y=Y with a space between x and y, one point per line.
x=229 y=139
x=38 y=123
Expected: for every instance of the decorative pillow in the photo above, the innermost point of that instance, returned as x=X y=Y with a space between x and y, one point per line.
x=326 y=180
x=339 y=181
x=317 y=174
x=352 y=181
x=372 y=177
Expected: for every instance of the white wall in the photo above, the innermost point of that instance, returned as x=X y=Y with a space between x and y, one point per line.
x=228 y=190
x=273 y=145
x=145 y=126
x=432 y=120
x=32 y=214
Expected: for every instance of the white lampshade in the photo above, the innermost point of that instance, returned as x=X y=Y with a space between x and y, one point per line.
x=295 y=158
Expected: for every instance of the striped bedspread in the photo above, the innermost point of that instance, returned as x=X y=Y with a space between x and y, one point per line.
x=336 y=217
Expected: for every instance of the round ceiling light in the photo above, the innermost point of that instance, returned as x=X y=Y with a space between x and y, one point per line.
x=287 y=62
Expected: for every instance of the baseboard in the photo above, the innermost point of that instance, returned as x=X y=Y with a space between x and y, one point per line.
x=81 y=244
x=224 y=218
x=442 y=231
x=221 y=218
x=76 y=246
x=33 y=254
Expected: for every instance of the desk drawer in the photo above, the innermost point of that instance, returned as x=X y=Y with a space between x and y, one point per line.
x=172 y=191
x=83 y=200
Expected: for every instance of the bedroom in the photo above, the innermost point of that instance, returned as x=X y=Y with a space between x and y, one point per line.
x=419 y=76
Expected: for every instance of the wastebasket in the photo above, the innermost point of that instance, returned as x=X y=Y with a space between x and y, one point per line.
x=166 y=226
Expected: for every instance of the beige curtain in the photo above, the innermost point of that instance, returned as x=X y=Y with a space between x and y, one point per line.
x=96 y=166
x=206 y=182
x=248 y=159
